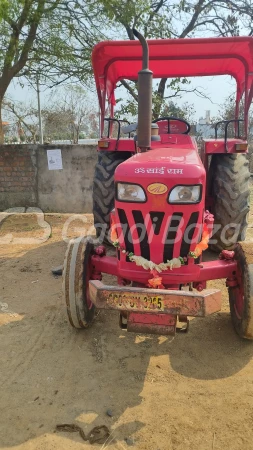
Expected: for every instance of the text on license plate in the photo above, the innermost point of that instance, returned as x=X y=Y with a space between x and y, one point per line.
x=139 y=301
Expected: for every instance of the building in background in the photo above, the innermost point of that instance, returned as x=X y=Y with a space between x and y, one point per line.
x=204 y=127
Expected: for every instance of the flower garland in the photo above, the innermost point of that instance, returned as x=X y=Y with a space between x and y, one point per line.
x=155 y=269
x=203 y=244
x=174 y=263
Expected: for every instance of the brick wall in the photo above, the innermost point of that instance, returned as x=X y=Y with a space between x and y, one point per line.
x=18 y=176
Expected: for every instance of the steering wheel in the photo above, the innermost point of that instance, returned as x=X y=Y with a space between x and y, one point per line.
x=169 y=118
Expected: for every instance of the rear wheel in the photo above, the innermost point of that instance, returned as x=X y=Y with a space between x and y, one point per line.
x=103 y=190
x=229 y=178
x=241 y=296
x=76 y=276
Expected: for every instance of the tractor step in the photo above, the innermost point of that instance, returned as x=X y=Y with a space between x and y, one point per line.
x=162 y=324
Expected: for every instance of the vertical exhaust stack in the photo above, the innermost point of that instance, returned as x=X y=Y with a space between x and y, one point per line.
x=144 y=98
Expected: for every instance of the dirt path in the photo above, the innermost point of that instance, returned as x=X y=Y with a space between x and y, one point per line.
x=191 y=392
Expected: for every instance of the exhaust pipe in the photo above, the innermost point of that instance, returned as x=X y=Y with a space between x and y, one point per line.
x=144 y=98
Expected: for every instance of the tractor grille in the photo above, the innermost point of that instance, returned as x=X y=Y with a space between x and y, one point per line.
x=142 y=233
x=167 y=235
x=127 y=235
x=171 y=236
x=185 y=246
x=157 y=219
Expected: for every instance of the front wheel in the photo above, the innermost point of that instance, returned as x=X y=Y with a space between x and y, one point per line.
x=76 y=275
x=241 y=296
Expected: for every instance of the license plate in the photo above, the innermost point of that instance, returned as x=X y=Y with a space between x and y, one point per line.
x=142 y=302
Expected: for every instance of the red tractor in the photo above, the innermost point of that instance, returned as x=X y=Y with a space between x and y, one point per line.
x=161 y=202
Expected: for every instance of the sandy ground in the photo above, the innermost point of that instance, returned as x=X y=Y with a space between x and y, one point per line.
x=194 y=391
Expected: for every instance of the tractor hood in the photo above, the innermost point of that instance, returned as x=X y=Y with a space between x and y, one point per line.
x=160 y=172
x=170 y=166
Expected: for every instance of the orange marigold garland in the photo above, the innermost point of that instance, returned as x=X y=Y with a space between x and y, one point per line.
x=113 y=234
x=206 y=234
x=203 y=244
x=113 y=230
x=156 y=282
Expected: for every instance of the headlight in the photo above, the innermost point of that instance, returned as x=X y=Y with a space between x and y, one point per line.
x=185 y=194
x=130 y=193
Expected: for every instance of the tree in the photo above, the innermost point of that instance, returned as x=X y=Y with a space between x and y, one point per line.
x=24 y=117
x=128 y=110
x=51 y=39
x=18 y=29
x=185 y=112
x=70 y=115
x=227 y=112
x=66 y=114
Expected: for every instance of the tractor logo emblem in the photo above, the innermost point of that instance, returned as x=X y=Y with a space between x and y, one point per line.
x=157 y=188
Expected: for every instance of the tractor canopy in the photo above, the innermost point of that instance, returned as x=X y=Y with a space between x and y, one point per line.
x=170 y=58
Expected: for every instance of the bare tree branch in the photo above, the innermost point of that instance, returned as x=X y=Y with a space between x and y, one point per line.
x=130 y=89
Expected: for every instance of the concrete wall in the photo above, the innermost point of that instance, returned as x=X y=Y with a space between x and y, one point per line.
x=70 y=189
x=25 y=179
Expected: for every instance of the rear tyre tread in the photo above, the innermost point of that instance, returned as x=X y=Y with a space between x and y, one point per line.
x=243 y=325
x=230 y=190
x=103 y=189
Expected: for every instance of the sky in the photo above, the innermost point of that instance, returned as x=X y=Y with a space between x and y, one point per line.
x=217 y=89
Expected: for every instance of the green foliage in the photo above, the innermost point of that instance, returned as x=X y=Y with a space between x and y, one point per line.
x=127 y=108
x=49 y=39
x=149 y=17
x=52 y=39
x=227 y=112
x=186 y=111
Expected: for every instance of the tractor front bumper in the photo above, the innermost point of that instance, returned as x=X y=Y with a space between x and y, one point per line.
x=155 y=301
